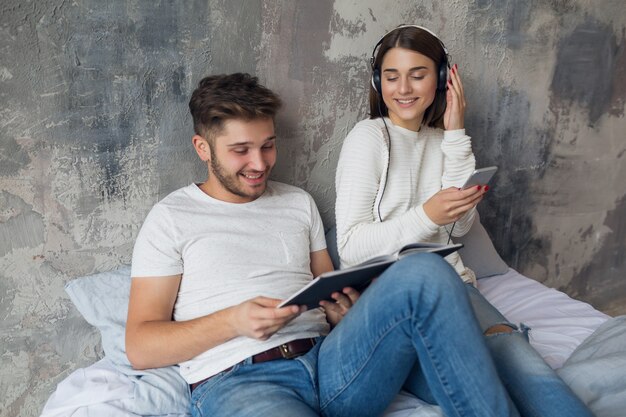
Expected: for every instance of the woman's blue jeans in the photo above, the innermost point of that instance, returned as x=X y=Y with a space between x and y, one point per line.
x=535 y=389
x=413 y=327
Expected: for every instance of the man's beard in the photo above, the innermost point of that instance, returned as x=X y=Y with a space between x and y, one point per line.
x=230 y=181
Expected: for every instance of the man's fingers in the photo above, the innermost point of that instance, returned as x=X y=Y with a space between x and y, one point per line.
x=260 y=318
x=343 y=301
x=332 y=307
x=266 y=301
x=352 y=294
x=266 y=308
x=281 y=313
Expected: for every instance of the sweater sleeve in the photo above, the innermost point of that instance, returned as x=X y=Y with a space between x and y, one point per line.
x=360 y=235
x=458 y=164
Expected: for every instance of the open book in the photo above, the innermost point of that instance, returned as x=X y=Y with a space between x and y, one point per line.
x=359 y=276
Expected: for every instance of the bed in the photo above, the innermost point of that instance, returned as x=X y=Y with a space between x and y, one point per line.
x=584 y=345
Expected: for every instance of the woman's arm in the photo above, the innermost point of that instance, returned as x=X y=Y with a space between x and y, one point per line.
x=459 y=161
x=458 y=164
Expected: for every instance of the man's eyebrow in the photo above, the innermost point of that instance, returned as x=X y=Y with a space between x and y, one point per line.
x=244 y=143
x=421 y=67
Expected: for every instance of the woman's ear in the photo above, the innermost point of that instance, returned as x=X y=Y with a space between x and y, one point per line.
x=201 y=145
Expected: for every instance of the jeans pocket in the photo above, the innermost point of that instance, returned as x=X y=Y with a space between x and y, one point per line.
x=200 y=394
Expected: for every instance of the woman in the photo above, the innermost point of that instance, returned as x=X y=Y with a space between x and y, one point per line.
x=398 y=180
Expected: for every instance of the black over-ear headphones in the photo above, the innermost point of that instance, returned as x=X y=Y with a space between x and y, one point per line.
x=442 y=73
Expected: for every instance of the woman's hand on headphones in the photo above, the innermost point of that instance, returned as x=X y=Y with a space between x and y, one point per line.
x=450 y=204
x=454 y=117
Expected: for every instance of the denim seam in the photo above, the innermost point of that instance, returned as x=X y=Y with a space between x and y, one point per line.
x=365 y=362
x=444 y=383
x=310 y=372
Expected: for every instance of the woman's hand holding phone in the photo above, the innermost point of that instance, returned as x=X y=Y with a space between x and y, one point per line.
x=450 y=204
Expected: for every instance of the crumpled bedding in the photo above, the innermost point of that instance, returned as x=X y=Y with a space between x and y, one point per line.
x=96 y=391
x=596 y=371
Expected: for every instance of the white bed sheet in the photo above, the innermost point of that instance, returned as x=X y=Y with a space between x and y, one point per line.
x=558 y=325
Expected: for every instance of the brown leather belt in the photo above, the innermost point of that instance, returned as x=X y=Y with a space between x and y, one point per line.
x=287 y=350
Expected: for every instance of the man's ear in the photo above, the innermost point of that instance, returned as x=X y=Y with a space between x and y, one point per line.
x=201 y=146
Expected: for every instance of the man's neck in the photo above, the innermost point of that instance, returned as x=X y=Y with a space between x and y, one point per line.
x=218 y=192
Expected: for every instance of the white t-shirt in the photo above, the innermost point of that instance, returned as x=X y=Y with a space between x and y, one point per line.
x=228 y=253
x=410 y=167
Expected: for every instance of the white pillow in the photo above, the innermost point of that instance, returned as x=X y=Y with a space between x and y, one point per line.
x=478 y=252
x=102 y=299
x=596 y=370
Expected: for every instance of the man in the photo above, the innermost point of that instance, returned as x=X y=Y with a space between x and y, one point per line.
x=213 y=260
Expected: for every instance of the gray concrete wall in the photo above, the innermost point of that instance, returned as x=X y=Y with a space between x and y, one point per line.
x=94 y=129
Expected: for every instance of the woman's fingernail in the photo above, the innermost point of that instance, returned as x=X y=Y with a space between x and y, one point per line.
x=486 y=187
x=478 y=187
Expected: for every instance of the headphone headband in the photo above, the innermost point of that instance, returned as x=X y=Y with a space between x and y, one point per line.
x=373 y=57
x=442 y=70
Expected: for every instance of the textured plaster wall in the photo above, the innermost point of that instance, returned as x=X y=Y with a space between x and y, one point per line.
x=94 y=130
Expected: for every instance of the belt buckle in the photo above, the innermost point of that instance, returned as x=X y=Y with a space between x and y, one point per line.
x=285 y=352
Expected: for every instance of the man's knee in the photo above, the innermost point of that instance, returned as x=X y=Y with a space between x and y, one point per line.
x=425 y=269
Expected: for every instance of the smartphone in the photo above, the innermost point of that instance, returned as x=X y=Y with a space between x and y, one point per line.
x=480 y=176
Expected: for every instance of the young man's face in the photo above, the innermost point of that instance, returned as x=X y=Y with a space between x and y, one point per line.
x=241 y=158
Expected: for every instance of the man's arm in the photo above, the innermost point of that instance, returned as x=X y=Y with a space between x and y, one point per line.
x=153 y=339
x=320 y=262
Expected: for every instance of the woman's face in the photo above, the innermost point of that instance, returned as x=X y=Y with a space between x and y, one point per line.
x=409 y=85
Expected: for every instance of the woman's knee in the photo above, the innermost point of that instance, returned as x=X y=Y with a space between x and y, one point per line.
x=500 y=329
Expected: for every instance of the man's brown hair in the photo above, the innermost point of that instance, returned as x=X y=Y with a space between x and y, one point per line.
x=219 y=98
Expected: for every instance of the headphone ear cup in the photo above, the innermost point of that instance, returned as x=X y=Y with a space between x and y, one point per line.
x=443 y=77
x=376 y=81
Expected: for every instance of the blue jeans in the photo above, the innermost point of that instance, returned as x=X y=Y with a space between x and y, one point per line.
x=412 y=328
x=536 y=390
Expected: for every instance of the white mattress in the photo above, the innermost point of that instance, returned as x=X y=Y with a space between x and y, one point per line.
x=558 y=325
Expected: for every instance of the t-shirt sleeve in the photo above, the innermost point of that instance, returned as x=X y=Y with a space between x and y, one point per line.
x=156 y=253
x=316 y=234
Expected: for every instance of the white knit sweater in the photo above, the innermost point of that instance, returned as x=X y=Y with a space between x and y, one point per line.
x=421 y=163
